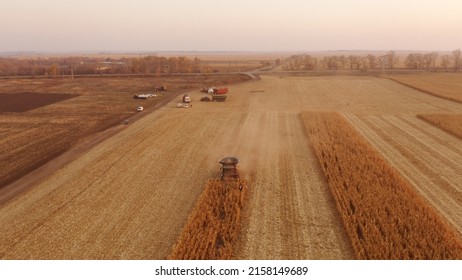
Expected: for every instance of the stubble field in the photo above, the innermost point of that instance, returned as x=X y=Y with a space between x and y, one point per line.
x=130 y=196
x=41 y=118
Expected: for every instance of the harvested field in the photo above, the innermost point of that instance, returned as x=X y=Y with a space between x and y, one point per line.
x=130 y=197
x=382 y=213
x=444 y=85
x=451 y=123
x=41 y=118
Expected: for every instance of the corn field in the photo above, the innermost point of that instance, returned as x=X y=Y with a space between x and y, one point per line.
x=382 y=214
x=451 y=123
x=213 y=226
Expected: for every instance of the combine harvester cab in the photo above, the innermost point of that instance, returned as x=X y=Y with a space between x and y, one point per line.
x=229 y=168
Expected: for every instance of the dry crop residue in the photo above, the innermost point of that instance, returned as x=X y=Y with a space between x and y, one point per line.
x=129 y=197
x=451 y=123
x=444 y=85
x=429 y=158
x=213 y=226
x=382 y=213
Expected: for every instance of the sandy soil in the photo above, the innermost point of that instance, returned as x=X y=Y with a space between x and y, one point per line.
x=129 y=197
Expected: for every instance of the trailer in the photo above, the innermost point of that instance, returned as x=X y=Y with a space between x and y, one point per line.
x=219 y=97
x=140 y=96
x=218 y=94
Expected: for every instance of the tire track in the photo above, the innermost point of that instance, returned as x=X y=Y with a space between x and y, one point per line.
x=291 y=214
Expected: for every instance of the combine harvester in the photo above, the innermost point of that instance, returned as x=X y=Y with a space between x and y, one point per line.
x=214 y=224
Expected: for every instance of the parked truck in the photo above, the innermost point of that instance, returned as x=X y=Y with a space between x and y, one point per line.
x=160 y=88
x=218 y=94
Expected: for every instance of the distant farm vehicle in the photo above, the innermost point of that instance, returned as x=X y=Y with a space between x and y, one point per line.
x=218 y=94
x=229 y=168
x=215 y=90
x=186 y=98
x=126 y=122
x=139 y=108
x=144 y=96
x=140 y=96
x=218 y=97
x=160 y=88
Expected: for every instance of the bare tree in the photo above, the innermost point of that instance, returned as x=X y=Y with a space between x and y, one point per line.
x=433 y=56
x=362 y=63
x=354 y=61
x=427 y=61
x=371 y=61
x=392 y=59
x=456 y=59
x=445 y=61
x=197 y=63
x=309 y=62
x=343 y=61
x=420 y=61
x=411 y=61
x=329 y=62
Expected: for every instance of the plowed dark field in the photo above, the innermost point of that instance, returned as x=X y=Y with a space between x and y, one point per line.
x=25 y=101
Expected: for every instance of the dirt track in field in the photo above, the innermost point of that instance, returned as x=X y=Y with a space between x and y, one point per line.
x=129 y=197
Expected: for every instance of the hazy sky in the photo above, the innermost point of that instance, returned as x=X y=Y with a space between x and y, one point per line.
x=229 y=25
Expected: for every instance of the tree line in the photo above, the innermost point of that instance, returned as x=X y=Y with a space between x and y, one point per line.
x=57 y=66
x=430 y=61
x=152 y=64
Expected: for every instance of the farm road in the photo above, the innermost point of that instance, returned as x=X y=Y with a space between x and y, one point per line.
x=129 y=196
